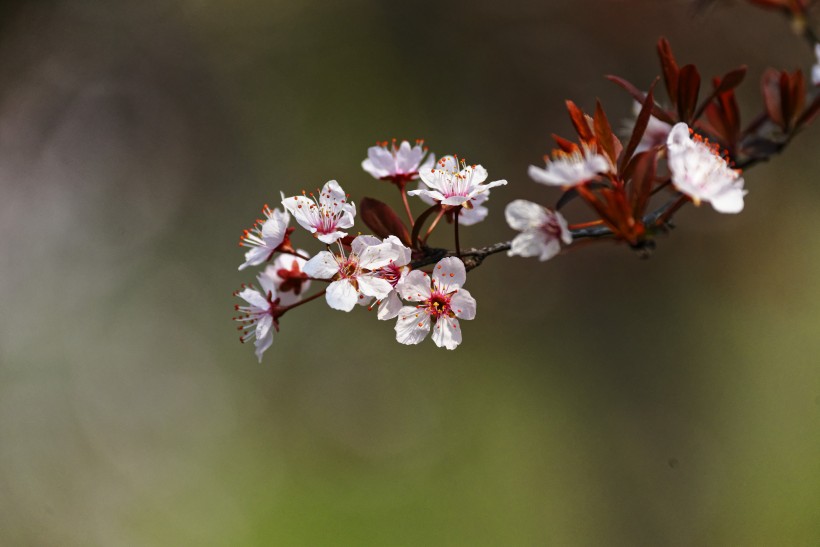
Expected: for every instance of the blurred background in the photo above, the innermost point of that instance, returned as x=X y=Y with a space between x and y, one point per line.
x=597 y=399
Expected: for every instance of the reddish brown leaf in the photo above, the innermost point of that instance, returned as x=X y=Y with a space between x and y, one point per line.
x=642 y=181
x=567 y=146
x=730 y=80
x=579 y=121
x=640 y=96
x=380 y=218
x=670 y=69
x=770 y=87
x=640 y=126
x=688 y=88
x=606 y=139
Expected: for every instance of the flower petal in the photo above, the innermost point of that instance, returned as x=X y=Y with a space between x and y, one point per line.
x=524 y=215
x=449 y=273
x=322 y=266
x=446 y=333
x=389 y=307
x=412 y=326
x=374 y=286
x=342 y=295
x=463 y=304
x=415 y=287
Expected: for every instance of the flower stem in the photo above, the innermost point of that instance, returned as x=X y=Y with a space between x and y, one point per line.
x=455 y=223
x=283 y=309
x=403 y=191
x=433 y=225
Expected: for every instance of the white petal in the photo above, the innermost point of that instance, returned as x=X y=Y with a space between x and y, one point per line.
x=679 y=136
x=376 y=173
x=447 y=333
x=363 y=242
x=524 y=215
x=493 y=184
x=551 y=248
x=262 y=344
x=322 y=266
x=405 y=254
x=263 y=326
x=252 y=297
x=274 y=228
x=300 y=208
x=415 y=287
x=331 y=237
x=463 y=304
x=469 y=217
x=389 y=307
x=412 y=325
x=374 y=286
x=342 y=295
x=528 y=243
x=379 y=256
x=255 y=256
x=729 y=201
x=332 y=193
x=455 y=200
x=449 y=273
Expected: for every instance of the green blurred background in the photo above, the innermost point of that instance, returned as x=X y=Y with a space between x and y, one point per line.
x=598 y=399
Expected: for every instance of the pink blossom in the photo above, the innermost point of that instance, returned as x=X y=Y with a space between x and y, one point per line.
x=326 y=217
x=700 y=172
x=399 y=164
x=441 y=302
x=264 y=237
x=449 y=185
x=542 y=230
x=355 y=276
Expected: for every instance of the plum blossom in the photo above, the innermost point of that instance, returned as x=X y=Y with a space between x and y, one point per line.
x=356 y=276
x=700 y=172
x=449 y=185
x=325 y=218
x=265 y=237
x=288 y=276
x=441 y=302
x=571 y=169
x=259 y=318
x=394 y=273
x=542 y=230
x=815 y=70
x=397 y=164
x=466 y=216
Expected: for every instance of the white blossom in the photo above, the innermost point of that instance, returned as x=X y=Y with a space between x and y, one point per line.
x=288 y=276
x=326 y=217
x=542 y=230
x=450 y=185
x=355 y=276
x=700 y=172
x=258 y=318
x=441 y=302
x=397 y=163
x=571 y=169
x=815 y=70
x=264 y=237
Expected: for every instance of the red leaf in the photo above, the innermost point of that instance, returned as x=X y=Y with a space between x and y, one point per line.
x=770 y=87
x=670 y=69
x=730 y=80
x=380 y=218
x=640 y=96
x=579 y=121
x=688 y=88
x=604 y=135
x=640 y=126
x=643 y=179
x=567 y=146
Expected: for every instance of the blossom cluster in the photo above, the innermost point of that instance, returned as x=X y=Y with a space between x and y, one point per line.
x=676 y=151
x=371 y=271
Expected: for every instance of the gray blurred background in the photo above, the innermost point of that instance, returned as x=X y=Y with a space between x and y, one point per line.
x=597 y=399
